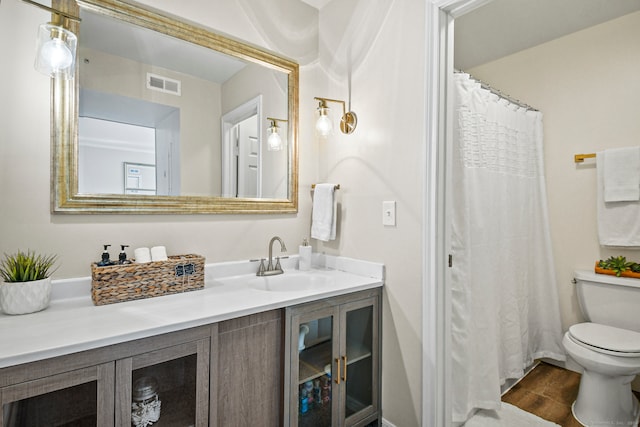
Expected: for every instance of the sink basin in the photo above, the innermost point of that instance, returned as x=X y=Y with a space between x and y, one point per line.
x=290 y=282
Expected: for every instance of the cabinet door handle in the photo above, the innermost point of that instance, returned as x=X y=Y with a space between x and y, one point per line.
x=344 y=368
x=338 y=369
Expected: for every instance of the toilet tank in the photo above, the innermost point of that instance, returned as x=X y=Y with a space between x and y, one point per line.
x=609 y=300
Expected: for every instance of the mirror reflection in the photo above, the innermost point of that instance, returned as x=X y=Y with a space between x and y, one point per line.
x=161 y=116
x=167 y=117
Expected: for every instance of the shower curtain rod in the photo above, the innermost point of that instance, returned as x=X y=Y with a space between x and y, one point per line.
x=497 y=92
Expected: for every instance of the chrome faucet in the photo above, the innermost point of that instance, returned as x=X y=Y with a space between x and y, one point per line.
x=270 y=270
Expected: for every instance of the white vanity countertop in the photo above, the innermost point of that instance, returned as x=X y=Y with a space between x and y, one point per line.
x=73 y=323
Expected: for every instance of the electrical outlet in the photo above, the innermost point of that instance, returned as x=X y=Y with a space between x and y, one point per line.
x=389 y=213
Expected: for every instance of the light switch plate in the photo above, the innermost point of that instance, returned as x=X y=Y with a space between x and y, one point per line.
x=389 y=213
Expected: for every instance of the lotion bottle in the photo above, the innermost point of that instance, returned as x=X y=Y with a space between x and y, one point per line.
x=304 y=256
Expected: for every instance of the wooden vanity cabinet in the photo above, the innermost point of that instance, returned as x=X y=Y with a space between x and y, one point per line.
x=94 y=387
x=175 y=379
x=332 y=368
x=82 y=397
x=246 y=371
x=224 y=374
x=247 y=379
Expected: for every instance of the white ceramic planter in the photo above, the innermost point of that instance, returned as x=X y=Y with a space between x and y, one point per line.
x=25 y=297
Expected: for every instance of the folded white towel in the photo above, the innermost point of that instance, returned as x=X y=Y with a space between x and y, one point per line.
x=622 y=174
x=159 y=253
x=618 y=223
x=142 y=255
x=323 y=216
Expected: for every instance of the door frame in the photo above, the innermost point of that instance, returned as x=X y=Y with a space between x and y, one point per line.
x=228 y=121
x=436 y=304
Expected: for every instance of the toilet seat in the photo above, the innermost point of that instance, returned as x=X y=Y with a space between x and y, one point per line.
x=606 y=339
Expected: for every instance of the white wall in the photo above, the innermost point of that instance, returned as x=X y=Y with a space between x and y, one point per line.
x=376 y=44
x=104 y=147
x=587 y=86
x=199 y=105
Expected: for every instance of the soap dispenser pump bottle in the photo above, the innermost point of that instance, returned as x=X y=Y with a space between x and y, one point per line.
x=304 y=256
x=105 y=258
x=122 y=258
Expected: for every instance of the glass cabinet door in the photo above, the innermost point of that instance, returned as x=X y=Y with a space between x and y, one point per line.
x=313 y=362
x=334 y=363
x=167 y=387
x=79 y=398
x=359 y=363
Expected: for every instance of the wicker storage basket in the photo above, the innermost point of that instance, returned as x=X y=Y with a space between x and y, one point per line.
x=119 y=283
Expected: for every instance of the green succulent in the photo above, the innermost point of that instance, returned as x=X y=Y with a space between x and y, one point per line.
x=619 y=265
x=26 y=266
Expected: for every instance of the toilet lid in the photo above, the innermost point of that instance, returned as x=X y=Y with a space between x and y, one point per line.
x=607 y=338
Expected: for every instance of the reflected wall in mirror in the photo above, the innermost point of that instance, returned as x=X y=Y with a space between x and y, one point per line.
x=167 y=117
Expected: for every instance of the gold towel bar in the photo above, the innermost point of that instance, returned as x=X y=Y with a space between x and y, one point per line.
x=337 y=186
x=579 y=158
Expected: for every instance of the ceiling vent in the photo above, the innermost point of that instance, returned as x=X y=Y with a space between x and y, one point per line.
x=163 y=84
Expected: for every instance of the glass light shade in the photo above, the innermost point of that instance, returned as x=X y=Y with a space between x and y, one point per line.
x=274 y=142
x=323 y=125
x=56 y=51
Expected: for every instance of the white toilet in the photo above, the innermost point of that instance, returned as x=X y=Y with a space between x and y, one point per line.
x=607 y=347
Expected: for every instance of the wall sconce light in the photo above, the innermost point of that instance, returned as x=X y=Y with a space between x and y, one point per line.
x=56 y=45
x=348 y=122
x=274 y=141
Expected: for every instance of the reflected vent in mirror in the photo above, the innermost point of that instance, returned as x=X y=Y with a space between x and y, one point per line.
x=163 y=84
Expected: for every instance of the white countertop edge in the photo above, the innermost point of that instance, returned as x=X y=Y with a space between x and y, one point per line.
x=173 y=327
x=76 y=292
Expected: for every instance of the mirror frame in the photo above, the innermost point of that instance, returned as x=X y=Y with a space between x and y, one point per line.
x=64 y=124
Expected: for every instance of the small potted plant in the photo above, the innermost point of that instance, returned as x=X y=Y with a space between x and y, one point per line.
x=618 y=266
x=25 y=282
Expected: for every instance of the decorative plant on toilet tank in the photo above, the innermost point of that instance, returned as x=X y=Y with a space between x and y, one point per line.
x=26 y=282
x=618 y=265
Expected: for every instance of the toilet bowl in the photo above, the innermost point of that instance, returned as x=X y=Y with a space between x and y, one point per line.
x=607 y=347
x=611 y=359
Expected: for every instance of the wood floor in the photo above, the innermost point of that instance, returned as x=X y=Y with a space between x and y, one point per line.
x=548 y=392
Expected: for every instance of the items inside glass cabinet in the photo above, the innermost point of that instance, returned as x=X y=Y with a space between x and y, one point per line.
x=321 y=368
x=315 y=369
x=164 y=394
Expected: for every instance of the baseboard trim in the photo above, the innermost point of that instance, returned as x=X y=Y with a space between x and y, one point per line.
x=386 y=423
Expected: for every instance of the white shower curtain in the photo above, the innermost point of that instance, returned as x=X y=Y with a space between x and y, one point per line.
x=505 y=310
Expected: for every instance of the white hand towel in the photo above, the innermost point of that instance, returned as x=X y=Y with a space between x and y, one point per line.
x=618 y=223
x=622 y=174
x=159 y=253
x=142 y=255
x=323 y=216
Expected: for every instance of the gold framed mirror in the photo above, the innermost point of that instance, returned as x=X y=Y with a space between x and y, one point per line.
x=167 y=117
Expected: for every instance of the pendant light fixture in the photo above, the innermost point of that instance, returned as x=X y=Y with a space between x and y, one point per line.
x=274 y=140
x=56 y=45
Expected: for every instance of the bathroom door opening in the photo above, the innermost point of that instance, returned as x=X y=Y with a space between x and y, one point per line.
x=437 y=387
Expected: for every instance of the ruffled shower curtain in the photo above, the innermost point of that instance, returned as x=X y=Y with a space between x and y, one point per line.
x=505 y=310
